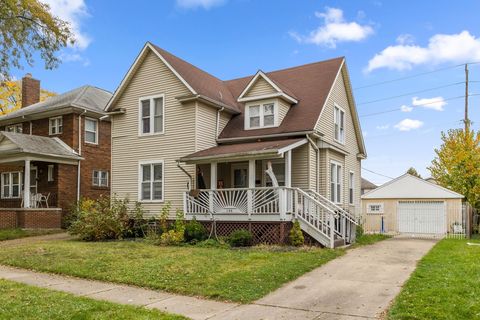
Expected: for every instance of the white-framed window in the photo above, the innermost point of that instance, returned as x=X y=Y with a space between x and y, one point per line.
x=152 y=115
x=336 y=176
x=55 y=125
x=375 y=208
x=100 y=178
x=18 y=128
x=50 y=172
x=261 y=115
x=91 y=131
x=151 y=181
x=351 y=187
x=339 y=123
x=11 y=184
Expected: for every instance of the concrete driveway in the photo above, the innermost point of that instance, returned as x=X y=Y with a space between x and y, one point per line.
x=359 y=285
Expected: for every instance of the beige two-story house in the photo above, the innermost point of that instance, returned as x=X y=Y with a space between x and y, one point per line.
x=255 y=152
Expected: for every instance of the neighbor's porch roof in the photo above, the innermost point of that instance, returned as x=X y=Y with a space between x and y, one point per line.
x=244 y=151
x=17 y=146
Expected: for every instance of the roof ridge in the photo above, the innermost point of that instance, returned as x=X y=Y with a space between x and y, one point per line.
x=288 y=68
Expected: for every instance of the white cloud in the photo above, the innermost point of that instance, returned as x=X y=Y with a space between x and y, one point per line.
x=334 y=30
x=436 y=103
x=406 y=108
x=441 y=48
x=205 y=4
x=72 y=11
x=405 y=38
x=383 y=127
x=408 y=124
x=74 y=57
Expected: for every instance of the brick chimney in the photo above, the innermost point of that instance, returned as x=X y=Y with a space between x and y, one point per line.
x=30 y=90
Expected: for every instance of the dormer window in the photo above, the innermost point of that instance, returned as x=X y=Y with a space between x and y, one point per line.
x=261 y=115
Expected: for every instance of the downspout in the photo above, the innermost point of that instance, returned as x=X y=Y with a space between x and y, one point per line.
x=187 y=173
x=79 y=152
x=218 y=122
x=317 y=153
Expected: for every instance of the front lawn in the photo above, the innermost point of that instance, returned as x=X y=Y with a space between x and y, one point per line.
x=10 y=234
x=19 y=301
x=445 y=284
x=241 y=275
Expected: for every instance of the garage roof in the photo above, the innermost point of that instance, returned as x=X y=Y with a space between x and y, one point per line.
x=411 y=187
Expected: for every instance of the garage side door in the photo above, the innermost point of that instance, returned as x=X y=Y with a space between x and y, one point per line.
x=421 y=217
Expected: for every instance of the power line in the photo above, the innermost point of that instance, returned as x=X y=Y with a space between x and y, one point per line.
x=409 y=77
x=411 y=93
x=371 y=171
x=416 y=105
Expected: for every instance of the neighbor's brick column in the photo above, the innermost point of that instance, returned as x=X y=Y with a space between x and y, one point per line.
x=8 y=219
x=40 y=218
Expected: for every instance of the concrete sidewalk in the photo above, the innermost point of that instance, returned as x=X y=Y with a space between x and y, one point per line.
x=358 y=285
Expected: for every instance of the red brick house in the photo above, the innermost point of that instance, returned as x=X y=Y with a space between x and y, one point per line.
x=60 y=148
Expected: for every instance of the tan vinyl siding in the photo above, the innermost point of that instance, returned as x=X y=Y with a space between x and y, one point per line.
x=224 y=118
x=128 y=148
x=259 y=88
x=206 y=125
x=300 y=167
x=312 y=167
x=349 y=161
x=372 y=222
x=283 y=108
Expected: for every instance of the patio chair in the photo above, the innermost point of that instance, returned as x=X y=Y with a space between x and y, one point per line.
x=43 y=198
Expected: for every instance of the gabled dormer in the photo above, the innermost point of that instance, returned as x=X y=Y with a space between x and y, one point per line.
x=266 y=102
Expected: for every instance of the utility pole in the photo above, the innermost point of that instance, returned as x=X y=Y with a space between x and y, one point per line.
x=466 y=120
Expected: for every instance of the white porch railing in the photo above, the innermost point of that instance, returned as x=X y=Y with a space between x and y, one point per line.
x=322 y=221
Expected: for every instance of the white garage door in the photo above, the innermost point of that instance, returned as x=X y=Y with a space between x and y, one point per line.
x=421 y=217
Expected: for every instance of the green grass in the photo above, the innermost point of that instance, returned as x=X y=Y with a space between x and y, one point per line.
x=19 y=301
x=367 y=239
x=241 y=275
x=445 y=285
x=10 y=234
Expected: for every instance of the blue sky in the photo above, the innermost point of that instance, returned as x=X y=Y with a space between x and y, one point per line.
x=382 y=40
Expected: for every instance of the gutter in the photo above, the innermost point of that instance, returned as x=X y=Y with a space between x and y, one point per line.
x=267 y=136
x=187 y=173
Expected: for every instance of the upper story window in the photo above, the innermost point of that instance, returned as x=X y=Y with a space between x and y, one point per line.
x=91 y=130
x=55 y=125
x=152 y=110
x=18 y=128
x=339 y=120
x=261 y=115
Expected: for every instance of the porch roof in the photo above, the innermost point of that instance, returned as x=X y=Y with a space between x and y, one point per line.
x=18 y=146
x=259 y=149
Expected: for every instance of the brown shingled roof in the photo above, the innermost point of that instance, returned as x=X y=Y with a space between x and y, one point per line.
x=311 y=84
x=367 y=184
x=202 y=82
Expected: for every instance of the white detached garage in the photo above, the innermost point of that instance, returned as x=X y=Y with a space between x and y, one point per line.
x=411 y=205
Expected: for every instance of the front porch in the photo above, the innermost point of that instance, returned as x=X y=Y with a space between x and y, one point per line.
x=264 y=186
x=31 y=168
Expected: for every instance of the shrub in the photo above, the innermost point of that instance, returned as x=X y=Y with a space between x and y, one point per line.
x=359 y=231
x=195 y=231
x=175 y=236
x=296 y=235
x=240 y=238
x=139 y=225
x=164 y=216
x=103 y=219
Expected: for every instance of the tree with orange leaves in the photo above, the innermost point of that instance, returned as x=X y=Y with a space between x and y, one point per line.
x=457 y=164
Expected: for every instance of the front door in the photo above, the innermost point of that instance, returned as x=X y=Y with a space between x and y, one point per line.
x=240 y=175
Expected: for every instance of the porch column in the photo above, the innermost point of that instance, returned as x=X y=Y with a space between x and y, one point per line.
x=288 y=169
x=26 y=185
x=251 y=186
x=213 y=175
